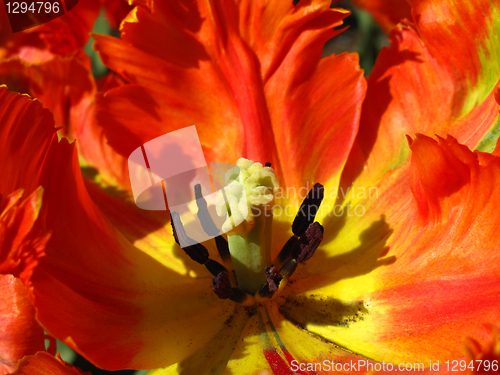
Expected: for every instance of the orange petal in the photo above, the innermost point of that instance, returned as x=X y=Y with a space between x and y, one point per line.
x=263 y=60
x=43 y=363
x=422 y=83
x=20 y=334
x=321 y=115
x=469 y=56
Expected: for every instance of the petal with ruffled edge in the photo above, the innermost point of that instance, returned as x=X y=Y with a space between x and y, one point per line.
x=66 y=87
x=20 y=334
x=443 y=260
x=387 y=13
x=262 y=59
x=63 y=85
x=434 y=81
x=45 y=364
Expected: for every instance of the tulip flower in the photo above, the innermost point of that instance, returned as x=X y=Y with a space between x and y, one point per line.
x=406 y=263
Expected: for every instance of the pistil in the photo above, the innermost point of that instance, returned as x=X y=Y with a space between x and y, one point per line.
x=248 y=201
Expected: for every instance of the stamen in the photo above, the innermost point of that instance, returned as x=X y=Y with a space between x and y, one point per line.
x=211 y=229
x=196 y=251
x=267 y=164
x=308 y=243
x=286 y=251
x=205 y=219
x=295 y=2
x=267 y=290
x=214 y=267
x=308 y=210
x=265 y=293
x=287 y=271
x=223 y=248
x=273 y=278
x=193 y=249
x=221 y=285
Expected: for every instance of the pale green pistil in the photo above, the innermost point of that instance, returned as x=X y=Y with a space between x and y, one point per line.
x=247 y=201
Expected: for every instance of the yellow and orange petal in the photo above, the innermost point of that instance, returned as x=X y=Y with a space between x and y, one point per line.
x=421 y=253
x=424 y=266
x=264 y=341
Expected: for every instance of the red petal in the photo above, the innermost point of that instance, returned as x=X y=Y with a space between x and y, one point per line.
x=468 y=56
x=438 y=173
x=66 y=86
x=44 y=364
x=25 y=137
x=61 y=36
x=116 y=11
x=20 y=249
x=321 y=113
x=20 y=334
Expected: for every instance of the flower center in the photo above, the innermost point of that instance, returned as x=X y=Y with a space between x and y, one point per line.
x=248 y=274
x=247 y=202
